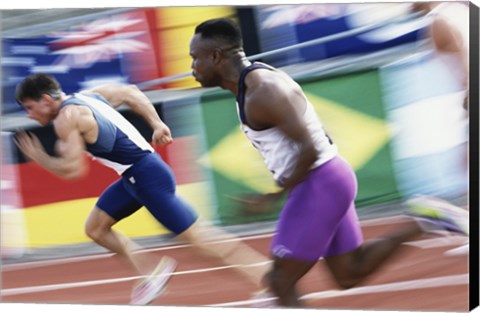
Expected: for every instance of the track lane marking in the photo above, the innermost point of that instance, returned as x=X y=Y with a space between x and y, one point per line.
x=44 y=288
x=33 y=264
x=443 y=281
x=391 y=220
x=439 y=242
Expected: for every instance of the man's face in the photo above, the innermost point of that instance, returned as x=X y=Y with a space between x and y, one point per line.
x=41 y=110
x=203 y=64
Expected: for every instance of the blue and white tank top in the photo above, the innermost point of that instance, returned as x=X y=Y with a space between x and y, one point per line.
x=279 y=152
x=119 y=144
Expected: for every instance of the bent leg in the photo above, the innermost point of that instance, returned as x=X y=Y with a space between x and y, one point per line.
x=155 y=188
x=113 y=205
x=283 y=278
x=350 y=268
x=307 y=225
x=99 y=228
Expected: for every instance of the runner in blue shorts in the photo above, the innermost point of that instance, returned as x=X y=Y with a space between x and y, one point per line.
x=319 y=218
x=87 y=121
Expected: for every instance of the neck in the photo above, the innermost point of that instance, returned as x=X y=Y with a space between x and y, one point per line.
x=57 y=103
x=232 y=75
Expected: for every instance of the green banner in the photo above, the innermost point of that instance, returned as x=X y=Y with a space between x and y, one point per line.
x=352 y=111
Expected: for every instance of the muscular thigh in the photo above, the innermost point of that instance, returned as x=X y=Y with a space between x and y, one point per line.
x=153 y=184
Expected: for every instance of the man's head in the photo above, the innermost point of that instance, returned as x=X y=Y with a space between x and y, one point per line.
x=223 y=30
x=38 y=94
x=423 y=7
x=213 y=42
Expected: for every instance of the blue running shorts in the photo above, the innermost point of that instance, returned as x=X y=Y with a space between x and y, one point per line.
x=149 y=182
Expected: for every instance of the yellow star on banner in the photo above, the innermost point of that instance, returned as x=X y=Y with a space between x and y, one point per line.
x=358 y=136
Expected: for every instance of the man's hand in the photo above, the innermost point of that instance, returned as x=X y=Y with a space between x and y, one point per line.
x=70 y=162
x=258 y=203
x=30 y=146
x=161 y=135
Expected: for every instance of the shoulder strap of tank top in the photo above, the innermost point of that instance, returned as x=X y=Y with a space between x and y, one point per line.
x=74 y=99
x=70 y=100
x=241 y=88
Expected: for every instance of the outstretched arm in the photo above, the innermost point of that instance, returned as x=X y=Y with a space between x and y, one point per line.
x=132 y=96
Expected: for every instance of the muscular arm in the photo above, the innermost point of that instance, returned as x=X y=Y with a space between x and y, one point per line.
x=140 y=104
x=69 y=163
x=280 y=104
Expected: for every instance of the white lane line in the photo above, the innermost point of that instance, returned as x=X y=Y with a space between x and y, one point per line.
x=448 y=240
x=439 y=242
x=459 y=251
x=423 y=244
x=380 y=221
x=33 y=264
x=43 y=288
x=34 y=289
x=444 y=281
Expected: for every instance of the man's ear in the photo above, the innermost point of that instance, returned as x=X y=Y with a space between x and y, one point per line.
x=48 y=99
x=217 y=55
x=46 y=96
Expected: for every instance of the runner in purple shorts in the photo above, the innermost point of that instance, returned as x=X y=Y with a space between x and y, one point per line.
x=319 y=218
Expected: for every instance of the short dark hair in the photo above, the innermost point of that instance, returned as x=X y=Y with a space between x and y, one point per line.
x=223 y=29
x=35 y=85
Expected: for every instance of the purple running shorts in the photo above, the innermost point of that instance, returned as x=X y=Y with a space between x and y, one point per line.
x=319 y=218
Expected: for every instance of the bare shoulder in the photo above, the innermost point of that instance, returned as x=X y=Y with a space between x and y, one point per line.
x=267 y=85
x=69 y=119
x=270 y=98
x=69 y=113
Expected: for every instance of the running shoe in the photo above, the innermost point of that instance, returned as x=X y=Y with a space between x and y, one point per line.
x=435 y=214
x=154 y=284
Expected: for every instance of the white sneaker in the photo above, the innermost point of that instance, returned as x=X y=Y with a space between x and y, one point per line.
x=437 y=214
x=153 y=285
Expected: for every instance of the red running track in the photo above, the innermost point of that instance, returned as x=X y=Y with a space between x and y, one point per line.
x=420 y=277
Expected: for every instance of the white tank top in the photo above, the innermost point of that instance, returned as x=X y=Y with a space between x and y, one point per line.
x=279 y=152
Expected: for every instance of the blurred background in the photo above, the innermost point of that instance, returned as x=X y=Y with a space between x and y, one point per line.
x=367 y=68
